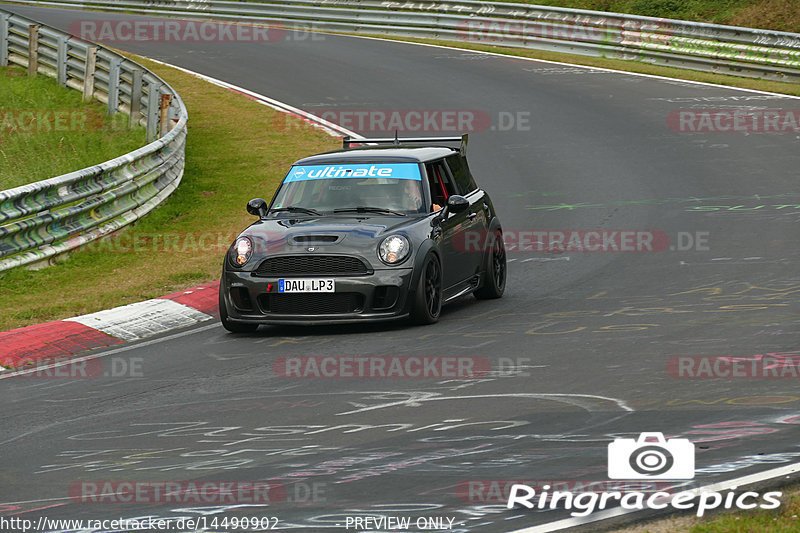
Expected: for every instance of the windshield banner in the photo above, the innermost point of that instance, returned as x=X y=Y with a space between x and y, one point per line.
x=397 y=171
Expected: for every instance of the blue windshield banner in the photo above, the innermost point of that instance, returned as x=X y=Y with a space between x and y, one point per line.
x=397 y=171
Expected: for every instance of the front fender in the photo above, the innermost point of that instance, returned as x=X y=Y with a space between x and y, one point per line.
x=427 y=247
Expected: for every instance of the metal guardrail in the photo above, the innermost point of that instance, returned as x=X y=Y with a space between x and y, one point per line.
x=44 y=219
x=692 y=45
x=41 y=220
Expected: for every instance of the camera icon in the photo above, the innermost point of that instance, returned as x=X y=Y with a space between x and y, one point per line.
x=640 y=459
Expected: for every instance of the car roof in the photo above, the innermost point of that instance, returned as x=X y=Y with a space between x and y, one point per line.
x=380 y=154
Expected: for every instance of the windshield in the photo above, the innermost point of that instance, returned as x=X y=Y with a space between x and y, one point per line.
x=324 y=188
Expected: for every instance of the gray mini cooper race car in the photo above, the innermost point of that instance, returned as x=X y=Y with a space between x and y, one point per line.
x=386 y=229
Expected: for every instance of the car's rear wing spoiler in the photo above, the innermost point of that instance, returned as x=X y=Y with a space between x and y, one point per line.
x=348 y=141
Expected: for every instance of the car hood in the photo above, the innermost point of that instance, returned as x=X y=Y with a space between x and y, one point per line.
x=334 y=234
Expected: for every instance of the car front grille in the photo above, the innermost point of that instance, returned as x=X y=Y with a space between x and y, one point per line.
x=312 y=304
x=301 y=265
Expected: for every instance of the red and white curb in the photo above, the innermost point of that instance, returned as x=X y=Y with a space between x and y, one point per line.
x=71 y=336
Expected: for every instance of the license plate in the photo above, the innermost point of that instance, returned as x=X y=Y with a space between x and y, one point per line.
x=306 y=285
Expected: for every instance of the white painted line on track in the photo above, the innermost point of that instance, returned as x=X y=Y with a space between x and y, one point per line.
x=553 y=526
x=280 y=105
x=335 y=129
x=574 y=399
x=330 y=127
x=560 y=63
x=114 y=351
x=602 y=515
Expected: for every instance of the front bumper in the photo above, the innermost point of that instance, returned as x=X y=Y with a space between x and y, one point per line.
x=381 y=295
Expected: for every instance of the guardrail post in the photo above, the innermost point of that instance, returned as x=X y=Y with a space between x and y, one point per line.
x=33 y=49
x=4 y=40
x=61 y=63
x=88 y=73
x=136 y=97
x=164 y=113
x=153 y=95
x=113 y=86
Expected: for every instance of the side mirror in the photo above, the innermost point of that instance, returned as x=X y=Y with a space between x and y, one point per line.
x=257 y=207
x=457 y=204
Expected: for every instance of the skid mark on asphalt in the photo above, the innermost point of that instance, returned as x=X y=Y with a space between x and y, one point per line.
x=584 y=401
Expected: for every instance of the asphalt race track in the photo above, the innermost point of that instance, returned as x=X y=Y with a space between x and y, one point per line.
x=579 y=346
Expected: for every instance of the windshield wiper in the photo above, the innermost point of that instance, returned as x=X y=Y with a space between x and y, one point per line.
x=295 y=208
x=362 y=209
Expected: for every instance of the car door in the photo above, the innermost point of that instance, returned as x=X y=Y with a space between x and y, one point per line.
x=472 y=238
x=456 y=264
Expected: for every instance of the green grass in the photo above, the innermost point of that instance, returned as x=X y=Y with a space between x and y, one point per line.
x=234 y=152
x=218 y=182
x=46 y=130
x=209 y=205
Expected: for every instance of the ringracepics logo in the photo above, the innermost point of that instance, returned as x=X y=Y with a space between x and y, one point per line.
x=642 y=459
x=586 y=503
x=638 y=459
x=498 y=490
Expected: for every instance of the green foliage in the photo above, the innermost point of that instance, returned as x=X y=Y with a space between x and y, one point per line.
x=46 y=130
x=660 y=8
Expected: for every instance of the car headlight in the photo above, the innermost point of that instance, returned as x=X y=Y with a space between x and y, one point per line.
x=242 y=251
x=394 y=249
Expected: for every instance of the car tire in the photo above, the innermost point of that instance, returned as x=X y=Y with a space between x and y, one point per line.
x=494 y=283
x=227 y=323
x=428 y=296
